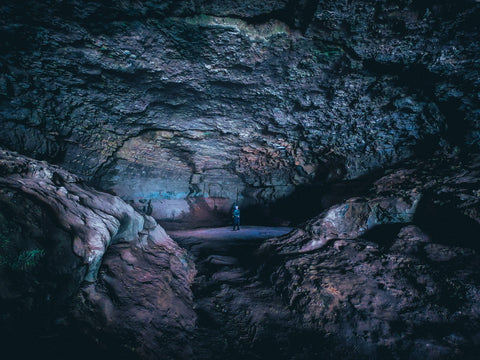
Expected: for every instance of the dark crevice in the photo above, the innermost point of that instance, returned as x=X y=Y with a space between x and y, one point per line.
x=420 y=81
x=457 y=127
x=446 y=225
x=350 y=52
x=297 y=14
x=384 y=235
x=427 y=146
x=416 y=77
x=305 y=13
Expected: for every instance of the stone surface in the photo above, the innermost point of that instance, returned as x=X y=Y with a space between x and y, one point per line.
x=239 y=316
x=185 y=107
x=393 y=277
x=143 y=299
x=405 y=287
x=396 y=277
x=73 y=259
x=414 y=299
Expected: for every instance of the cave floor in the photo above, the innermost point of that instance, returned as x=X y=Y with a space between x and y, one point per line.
x=239 y=313
x=187 y=237
x=223 y=255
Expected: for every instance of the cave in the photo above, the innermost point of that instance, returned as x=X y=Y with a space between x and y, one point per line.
x=346 y=132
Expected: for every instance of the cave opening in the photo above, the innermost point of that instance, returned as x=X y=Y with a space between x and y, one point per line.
x=446 y=225
x=457 y=127
x=304 y=202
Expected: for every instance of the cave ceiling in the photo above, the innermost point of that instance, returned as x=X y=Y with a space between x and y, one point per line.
x=168 y=102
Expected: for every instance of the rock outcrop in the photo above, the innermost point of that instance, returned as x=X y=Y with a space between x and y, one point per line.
x=184 y=107
x=141 y=306
x=72 y=256
x=401 y=286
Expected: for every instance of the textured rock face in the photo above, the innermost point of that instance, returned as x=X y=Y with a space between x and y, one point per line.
x=415 y=299
x=406 y=288
x=143 y=298
x=184 y=107
x=72 y=255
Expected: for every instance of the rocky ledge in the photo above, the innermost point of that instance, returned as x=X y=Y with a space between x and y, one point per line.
x=73 y=257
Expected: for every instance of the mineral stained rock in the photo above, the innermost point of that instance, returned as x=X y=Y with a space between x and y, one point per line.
x=184 y=107
x=69 y=253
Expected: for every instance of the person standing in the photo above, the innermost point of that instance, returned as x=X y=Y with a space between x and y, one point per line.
x=236 y=218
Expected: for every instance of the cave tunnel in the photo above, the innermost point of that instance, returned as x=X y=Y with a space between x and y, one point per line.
x=344 y=130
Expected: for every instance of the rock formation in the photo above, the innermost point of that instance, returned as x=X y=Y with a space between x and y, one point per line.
x=401 y=286
x=184 y=107
x=70 y=254
x=356 y=121
x=394 y=275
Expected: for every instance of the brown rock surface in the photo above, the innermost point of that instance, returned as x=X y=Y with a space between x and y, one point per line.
x=73 y=256
x=141 y=305
x=405 y=288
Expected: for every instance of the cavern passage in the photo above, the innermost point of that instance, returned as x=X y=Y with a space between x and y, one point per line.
x=347 y=131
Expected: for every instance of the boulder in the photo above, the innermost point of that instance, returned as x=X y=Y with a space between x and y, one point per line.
x=72 y=256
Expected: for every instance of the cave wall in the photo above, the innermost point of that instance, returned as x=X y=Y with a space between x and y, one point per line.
x=184 y=107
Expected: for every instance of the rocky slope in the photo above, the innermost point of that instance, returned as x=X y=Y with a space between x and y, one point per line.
x=382 y=279
x=184 y=107
x=75 y=260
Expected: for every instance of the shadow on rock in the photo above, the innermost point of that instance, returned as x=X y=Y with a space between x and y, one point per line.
x=446 y=224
